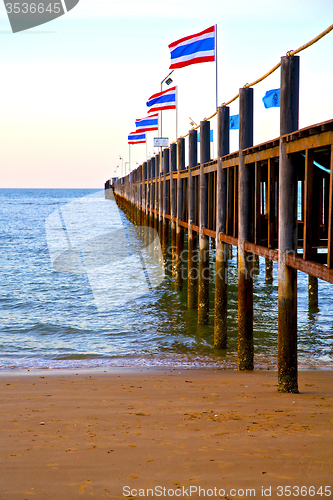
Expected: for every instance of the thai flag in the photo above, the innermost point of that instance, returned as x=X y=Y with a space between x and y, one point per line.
x=162 y=100
x=193 y=49
x=135 y=138
x=146 y=124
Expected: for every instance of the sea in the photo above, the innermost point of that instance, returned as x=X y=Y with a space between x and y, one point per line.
x=78 y=291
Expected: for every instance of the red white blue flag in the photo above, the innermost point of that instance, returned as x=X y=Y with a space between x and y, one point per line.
x=162 y=100
x=194 y=49
x=146 y=124
x=136 y=138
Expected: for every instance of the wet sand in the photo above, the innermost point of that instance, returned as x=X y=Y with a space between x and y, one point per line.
x=118 y=434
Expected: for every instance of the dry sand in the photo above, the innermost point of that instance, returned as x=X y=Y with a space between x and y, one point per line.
x=68 y=435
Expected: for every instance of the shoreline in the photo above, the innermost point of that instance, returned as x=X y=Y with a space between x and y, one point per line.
x=141 y=369
x=82 y=434
x=131 y=370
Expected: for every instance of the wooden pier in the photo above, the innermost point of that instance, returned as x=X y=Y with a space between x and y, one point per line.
x=249 y=200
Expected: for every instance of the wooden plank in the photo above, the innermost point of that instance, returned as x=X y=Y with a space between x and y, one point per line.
x=209 y=232
x=230 y=162
x=310 y=267
x=265 y=154
x=225 y=238
x=261 y=251
x=212 y=167
x=311 y=142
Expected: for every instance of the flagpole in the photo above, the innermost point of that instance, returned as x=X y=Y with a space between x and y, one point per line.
x=129 y=159
x=164 y=79
x=216 y=76
x=176 y=112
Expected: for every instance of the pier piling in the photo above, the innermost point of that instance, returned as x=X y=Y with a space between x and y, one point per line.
x=221 y=263
x=245 y=233
x=287 y=302
x=203 y=284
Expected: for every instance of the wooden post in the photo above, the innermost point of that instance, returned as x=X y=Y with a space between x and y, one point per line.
x=221 y=264
x=173 y=168
x=268 y=270
x=245 y=233
x=313 y=293
x=255 y=264
x=178 y=268
x=192 y=273
x=203 y=294
x=287 y=314
x=165 y=238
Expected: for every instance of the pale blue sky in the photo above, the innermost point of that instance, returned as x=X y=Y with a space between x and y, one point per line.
x=72 y=88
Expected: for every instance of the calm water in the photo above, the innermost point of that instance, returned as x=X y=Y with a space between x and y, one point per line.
x=50 y=317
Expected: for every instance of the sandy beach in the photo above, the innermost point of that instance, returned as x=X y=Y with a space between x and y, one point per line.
x=163 y=433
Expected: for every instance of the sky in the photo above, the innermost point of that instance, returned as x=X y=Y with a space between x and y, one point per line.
x=73 y=88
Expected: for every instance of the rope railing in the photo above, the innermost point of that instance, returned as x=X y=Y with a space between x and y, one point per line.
x=290 y=53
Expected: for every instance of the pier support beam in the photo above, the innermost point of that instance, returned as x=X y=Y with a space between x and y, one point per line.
x=192 y=263
x=221 y=264
x=245 y=233
x=287 y=314
x=203 y=294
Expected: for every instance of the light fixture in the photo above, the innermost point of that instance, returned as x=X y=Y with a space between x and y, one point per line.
x=192 y=122
x=168 y=81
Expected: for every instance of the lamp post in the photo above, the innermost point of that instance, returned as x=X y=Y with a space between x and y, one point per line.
x=167 y=80
x=122 y=165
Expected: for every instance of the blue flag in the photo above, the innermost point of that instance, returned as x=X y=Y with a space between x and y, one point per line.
x=211 y=136
x=234 y=122
x=272 y=98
